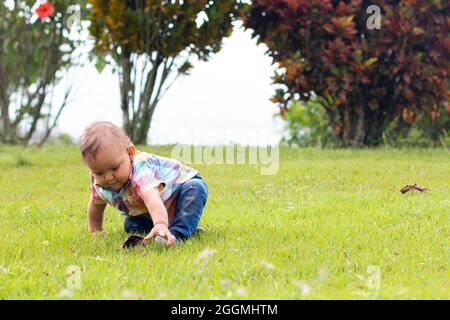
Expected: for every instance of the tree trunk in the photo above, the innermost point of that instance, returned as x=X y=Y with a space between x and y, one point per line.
x=355 y=127
x=146 y=106
x=136 y=123
x=125 y=89
x=144 y=128
x=37 y=114
x=360 y=129
x=5 y=122
x=376 y=123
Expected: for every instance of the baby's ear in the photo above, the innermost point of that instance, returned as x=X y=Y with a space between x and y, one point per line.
x=131 y=151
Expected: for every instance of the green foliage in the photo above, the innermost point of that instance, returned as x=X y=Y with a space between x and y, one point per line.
x=424 y=131
x=21 y=161
x=307 y=125
x=370 y=76
x=38 y=42
x=34 y=53
x=151 y=43
x=168 y=27
x=61 y=139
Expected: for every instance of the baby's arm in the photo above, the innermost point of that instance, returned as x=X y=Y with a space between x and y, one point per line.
x=159 y=216
x=95 y=216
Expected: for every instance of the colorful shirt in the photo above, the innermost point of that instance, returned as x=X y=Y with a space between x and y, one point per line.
x=148 y=171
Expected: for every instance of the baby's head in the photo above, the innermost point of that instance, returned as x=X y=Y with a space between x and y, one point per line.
x=108 y=152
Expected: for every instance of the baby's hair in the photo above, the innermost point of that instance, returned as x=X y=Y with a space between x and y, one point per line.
x=95 y=135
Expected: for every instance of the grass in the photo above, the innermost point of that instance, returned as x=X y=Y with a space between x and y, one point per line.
x=331 y=224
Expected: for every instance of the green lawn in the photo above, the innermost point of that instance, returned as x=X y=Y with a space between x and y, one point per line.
x=331 y=224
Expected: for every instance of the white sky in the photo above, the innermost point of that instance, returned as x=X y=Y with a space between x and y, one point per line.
x=224 y=100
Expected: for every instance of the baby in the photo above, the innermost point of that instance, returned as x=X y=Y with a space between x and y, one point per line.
x=160 y=197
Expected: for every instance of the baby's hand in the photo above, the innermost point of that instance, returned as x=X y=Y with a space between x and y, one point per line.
x=160 y=229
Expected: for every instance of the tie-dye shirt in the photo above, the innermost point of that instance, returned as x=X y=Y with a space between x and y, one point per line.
x=148 y=171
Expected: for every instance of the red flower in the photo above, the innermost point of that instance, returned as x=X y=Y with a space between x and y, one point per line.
x=45 y=10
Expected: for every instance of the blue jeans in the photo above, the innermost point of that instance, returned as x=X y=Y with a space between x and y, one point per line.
x=191 y=200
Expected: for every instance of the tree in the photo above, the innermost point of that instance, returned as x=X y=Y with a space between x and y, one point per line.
x=366 y=77
x=34 y=54
x=151 y=43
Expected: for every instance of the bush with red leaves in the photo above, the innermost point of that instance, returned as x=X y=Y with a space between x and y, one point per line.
x=366 y=77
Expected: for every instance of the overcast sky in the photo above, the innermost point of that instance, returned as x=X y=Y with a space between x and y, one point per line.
x=224 y=100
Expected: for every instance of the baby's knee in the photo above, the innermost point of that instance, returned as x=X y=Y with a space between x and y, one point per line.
x=198 y=185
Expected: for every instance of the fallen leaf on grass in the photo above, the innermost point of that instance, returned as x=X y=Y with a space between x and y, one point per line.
x=414 y=186
x=133 y=241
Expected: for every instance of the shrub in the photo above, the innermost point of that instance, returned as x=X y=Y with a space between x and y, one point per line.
x=307 y=125
x=367 y=77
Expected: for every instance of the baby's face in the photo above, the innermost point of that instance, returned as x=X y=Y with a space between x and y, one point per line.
x=112 y=164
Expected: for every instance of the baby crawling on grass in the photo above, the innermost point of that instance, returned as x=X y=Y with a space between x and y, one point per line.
x=161 y=197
